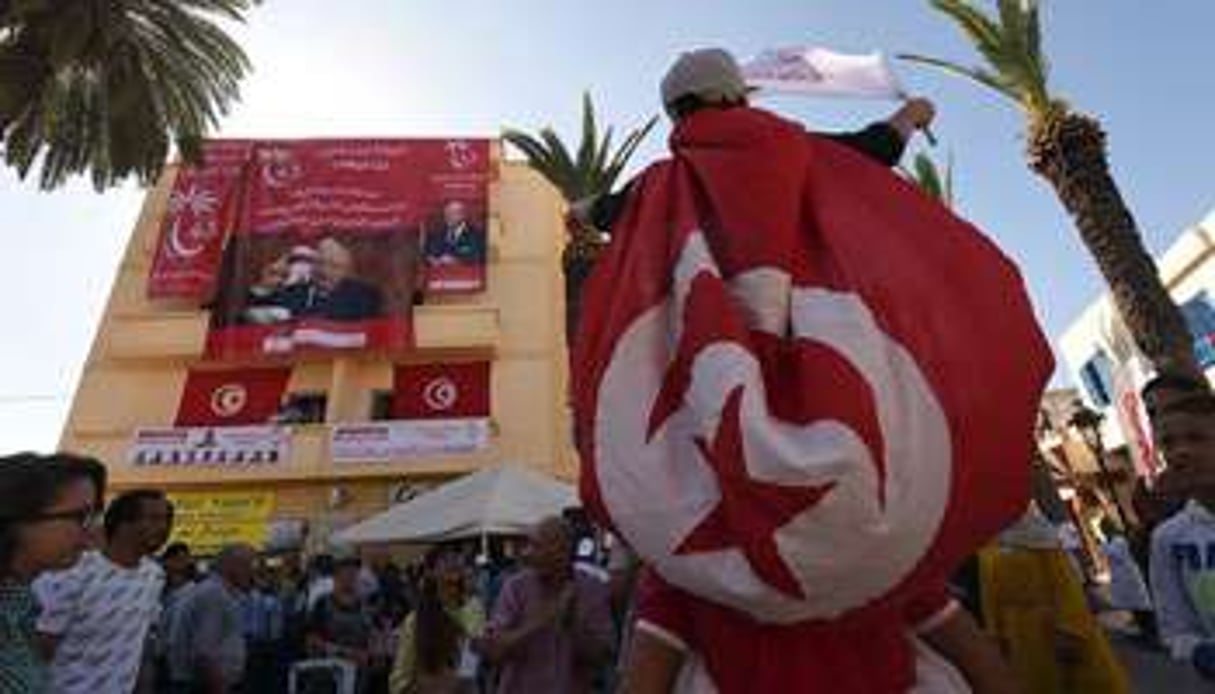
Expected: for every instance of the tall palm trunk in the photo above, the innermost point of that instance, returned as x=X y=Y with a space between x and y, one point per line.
x=1068 y=150
x=577 y=262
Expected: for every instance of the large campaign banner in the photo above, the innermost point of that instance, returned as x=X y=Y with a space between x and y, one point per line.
x=202 y=208
x=328 y=250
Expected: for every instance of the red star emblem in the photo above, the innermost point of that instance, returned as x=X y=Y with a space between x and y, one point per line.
x=806 y=382
x=750 y=511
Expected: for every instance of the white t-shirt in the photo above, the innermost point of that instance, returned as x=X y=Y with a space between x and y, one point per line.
x=101 y=613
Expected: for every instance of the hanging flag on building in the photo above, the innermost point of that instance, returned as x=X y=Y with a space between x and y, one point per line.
x=822 y=72
x=441 y=391
x=231 y=398
x=201 y=210
x=327 y=252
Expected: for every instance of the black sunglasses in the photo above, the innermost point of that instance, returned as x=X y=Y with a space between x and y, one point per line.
x=87 y=518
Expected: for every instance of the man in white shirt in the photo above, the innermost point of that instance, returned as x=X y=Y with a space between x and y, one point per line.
x=1182 y=567
x=96 y=616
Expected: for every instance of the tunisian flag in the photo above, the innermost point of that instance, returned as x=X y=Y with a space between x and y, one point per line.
x=803 y=393
x=441 y=391
x=231 y=398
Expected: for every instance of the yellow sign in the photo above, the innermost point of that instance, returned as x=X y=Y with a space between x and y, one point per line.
x=206 y=521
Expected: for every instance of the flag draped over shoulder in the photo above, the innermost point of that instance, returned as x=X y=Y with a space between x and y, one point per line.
x=802 y=389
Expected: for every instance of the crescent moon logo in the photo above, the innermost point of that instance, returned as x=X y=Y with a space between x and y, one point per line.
x=279 y=167
x=193 y=225
x=179 y=247
x=460 y=155
x=870 y=524
x=229 y=399
x=440 y=394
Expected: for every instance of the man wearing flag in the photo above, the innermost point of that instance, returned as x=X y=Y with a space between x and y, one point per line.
x=782 y=408
x=711 y=78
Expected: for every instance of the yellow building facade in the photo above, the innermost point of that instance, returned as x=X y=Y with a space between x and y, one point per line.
x=141 y=354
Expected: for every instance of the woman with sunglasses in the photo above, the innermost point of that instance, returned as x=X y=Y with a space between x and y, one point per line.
x=49 y=506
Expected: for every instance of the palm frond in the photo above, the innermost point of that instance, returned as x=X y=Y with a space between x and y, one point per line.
x=569 y=179
x=983 y=77
x=590 y=133
x=949 y=179
x=594 y=168
x=107 y=88
x=930 y=178
x=1009 y=42
x=627 y=148
x=926 y=175
x=980 y=29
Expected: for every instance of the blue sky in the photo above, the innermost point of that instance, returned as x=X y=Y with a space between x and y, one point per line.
x=469 y=67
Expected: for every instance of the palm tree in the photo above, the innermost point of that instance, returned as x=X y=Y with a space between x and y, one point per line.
x=931 y=178
x=1067 y=148
x=591 y=172
x=106 y=87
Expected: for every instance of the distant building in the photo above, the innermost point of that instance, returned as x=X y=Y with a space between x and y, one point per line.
x=144 y=351
x=1101 y=358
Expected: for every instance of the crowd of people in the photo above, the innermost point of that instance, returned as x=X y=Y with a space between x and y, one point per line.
x=93 y=602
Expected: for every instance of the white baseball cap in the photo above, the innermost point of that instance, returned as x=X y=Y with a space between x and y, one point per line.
x=711 y=74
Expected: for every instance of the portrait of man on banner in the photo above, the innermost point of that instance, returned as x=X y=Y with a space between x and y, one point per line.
x=322 y=289
x=313 y=281
x=455 y=248
x=325 y=251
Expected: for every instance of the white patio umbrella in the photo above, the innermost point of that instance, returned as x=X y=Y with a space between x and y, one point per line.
x=503 y=500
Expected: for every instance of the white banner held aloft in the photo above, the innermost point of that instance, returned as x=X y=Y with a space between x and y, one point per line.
x=821 y=72
x=385 y=441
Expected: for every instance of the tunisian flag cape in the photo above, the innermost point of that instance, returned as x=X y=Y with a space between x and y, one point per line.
x=803 y=390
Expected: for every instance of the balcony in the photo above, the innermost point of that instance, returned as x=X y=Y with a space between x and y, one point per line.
x=181 y=336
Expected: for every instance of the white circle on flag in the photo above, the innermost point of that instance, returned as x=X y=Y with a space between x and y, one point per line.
x=440 y=393
x=862 y=538
x=229 y=399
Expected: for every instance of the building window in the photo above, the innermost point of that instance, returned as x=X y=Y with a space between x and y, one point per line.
x=1200 y=318
x=381 y=405
x=303 y=408
x=1096 y=375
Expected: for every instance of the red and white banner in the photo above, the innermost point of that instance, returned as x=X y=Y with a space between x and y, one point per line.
x=202 y=446
x=327 y=253
x=388 y=441
x=231 y=398
x=785 y=405
x=201 y=211
x=441 y=391
x=1134 y=422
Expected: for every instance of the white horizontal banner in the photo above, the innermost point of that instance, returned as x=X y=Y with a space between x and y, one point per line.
x=193 y=446
x=819 y=71
x=384 y=441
